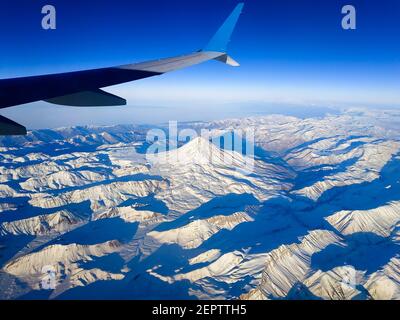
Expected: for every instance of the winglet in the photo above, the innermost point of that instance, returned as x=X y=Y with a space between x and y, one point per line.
x=219 y=42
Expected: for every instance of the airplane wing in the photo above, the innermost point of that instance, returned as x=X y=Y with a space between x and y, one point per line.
x=83 y=88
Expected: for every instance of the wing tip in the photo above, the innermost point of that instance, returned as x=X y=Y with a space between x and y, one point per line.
x=228 y=60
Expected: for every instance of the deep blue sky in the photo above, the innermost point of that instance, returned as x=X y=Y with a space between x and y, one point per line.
x=291 y=51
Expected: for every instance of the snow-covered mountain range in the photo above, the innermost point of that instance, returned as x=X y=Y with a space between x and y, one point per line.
x=84 y=214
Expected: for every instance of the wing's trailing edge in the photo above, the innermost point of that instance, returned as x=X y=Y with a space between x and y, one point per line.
x=83 y=88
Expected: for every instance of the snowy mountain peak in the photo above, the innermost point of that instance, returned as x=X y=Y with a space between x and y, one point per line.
x=200 y=151
x=198 y=145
